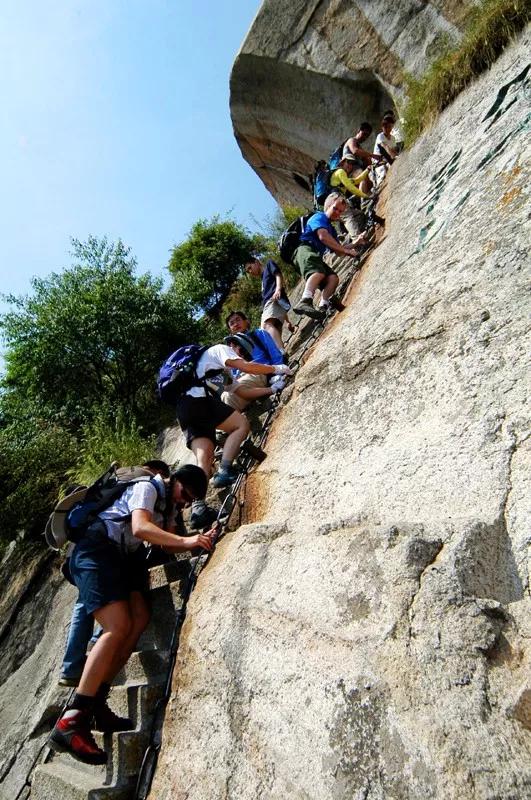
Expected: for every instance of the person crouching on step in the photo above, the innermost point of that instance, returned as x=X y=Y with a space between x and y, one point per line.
x=201 y=413
x=108 y=566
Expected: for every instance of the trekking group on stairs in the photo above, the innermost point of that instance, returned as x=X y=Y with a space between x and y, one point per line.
x=110 y=523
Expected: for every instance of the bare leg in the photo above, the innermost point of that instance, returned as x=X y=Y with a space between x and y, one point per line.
x=140 y=619
x=275 y=332
x=313 y=283
x=237 y=427
x=115 y=619
x=330 y=286
x=203 y=450
x=250 y=394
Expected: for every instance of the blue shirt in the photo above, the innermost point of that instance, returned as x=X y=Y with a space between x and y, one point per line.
x=316 y=221
x=269 y=284
x=265 y=350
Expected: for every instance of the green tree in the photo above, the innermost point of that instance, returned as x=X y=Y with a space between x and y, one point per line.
x=34 y=458
x=246 y=291
x=205 y=266
x=93 y=334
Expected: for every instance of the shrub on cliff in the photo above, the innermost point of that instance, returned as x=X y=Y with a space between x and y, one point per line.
x=492 y=24
x=206 y=264
x=246 y=291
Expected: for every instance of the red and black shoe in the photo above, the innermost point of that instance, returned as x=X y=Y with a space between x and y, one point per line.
x=105 y=720
x=72 y=735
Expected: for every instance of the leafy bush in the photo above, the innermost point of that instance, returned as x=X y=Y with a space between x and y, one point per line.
x=491 y=26
x=34 y=459
x=111 y=436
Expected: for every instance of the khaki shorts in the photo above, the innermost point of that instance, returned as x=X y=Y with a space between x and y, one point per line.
x=272 y=310
x=250 y=382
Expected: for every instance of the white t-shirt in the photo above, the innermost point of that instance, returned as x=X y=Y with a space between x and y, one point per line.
x=141 y=495
x=213 y=358
x=386 y=142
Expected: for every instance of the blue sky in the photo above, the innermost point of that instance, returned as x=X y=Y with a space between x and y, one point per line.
x=107 y=110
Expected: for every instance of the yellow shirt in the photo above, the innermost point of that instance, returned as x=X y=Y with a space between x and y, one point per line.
x=340 y=180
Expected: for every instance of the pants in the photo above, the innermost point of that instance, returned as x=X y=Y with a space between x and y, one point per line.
x=354 y=221
x=80 y=633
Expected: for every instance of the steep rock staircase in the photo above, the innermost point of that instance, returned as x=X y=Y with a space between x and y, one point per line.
x=135 y=693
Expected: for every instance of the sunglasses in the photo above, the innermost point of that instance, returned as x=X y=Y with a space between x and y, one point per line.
x=187 y=498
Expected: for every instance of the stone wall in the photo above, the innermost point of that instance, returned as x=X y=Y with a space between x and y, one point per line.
x=309 y=72
x=367 y=633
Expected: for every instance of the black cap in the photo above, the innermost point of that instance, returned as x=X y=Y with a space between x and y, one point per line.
x=193 y=479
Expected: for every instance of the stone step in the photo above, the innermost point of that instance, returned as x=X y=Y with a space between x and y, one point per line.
x=172 y=572
x=144 y=666
x=136 y=700
x=64 y=780
x=125 y=751
x=165 y=600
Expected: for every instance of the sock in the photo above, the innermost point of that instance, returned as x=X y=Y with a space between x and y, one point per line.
x=225 y=465
x=307 y=295
x=324 y=303
x=103 y=693
x=81 y=702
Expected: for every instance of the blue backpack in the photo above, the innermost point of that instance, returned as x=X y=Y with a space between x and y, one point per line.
x=335 y=158
x=178 y=373
x=321 y=183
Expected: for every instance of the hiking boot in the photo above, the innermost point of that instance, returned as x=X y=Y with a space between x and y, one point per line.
x=202 y=516
x=66 y=680
x=225 y=477
x=106 y=721
x=305 y=306
x=71 y=734
x=336 y=303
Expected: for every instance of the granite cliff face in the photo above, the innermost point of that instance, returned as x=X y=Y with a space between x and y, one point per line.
x=309 y=72
x=366 y=634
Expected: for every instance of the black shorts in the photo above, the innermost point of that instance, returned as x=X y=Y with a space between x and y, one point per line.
x=200 y=416
x=103 y=574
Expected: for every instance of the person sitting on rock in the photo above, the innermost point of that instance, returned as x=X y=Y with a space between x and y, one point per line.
x=109 y=568
x=362 y=158
x=396 y=131
x=275 y=303
x=248 y=387
x=200 y=412
x=320 y=236
x=385 y=146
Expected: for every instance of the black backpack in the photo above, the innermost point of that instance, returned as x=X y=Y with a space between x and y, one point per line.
x=291 y=238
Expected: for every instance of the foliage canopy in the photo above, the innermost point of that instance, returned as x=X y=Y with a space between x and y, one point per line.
x=205 y=266
x=91 y=335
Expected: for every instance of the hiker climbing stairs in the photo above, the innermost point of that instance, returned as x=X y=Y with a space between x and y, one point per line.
x=134 y=694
